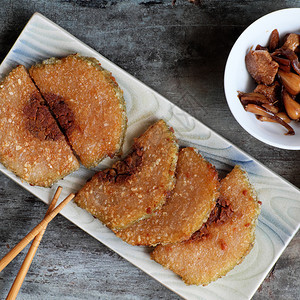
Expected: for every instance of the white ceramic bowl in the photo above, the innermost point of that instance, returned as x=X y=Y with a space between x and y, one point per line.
x=237 y=78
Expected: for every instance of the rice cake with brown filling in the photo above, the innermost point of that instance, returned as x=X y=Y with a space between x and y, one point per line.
x=135 y=187
x=31 y=143
x=223 y=241
x=88 y=104
x=187 y=207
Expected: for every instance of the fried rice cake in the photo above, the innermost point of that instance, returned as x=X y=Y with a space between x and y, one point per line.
x=223 y=241
x=31 y=143
x=187 y=207
x=135 y=187
x=88 y=104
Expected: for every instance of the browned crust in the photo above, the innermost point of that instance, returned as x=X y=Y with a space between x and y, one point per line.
x=39 y=119
x=123 y=170
x=63 y=114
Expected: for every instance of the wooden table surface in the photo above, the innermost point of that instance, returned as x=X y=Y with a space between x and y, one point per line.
x=180 y=51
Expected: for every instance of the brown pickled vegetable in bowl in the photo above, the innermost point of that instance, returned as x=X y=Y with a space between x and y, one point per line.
x=276 y=71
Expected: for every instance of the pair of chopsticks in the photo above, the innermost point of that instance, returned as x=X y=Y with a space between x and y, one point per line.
x=36 y=234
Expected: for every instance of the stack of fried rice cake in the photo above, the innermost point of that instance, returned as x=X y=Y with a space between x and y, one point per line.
x=172 y=200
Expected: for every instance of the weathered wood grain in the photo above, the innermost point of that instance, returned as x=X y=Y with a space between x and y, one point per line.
x=180 y=51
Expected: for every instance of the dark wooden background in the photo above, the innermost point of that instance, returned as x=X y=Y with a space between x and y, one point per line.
x=180 y=51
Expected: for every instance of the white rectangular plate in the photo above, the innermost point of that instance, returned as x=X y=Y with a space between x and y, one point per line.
x=280 y=216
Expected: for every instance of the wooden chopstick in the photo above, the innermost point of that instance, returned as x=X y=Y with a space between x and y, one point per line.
x=31 y=252
x=31 y=235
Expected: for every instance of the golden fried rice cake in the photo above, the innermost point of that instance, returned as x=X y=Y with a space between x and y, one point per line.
x=31 y=143
x=223 y=241
x=135 y=187
x=187 y=207
x=88 y=104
